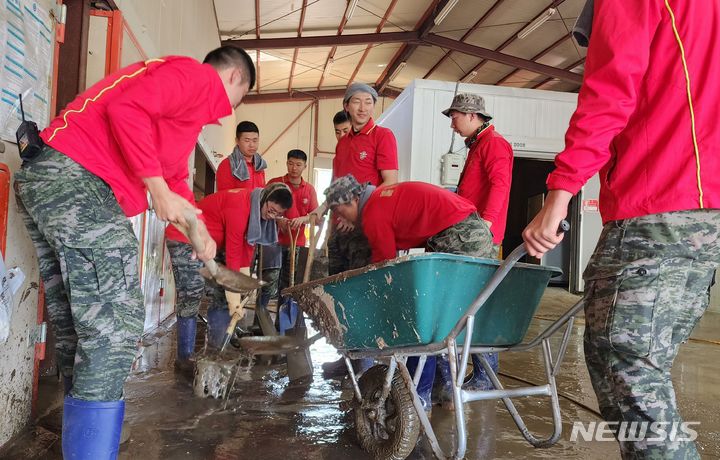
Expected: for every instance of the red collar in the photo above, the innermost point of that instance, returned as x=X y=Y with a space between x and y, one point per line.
x=286 y=180
x=369 y=126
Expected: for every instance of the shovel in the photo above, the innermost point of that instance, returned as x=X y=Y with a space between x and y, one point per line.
x=227 y=279
x=231 y=327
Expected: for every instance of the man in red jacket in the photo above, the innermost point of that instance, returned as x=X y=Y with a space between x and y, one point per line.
x=647 y=121
x=411 y=215
x=112 y=145
x=486 y=177
x=485 y=181
x=244 y=167
x=236 y=219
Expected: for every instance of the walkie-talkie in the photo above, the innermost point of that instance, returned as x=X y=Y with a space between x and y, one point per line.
x=28 y=137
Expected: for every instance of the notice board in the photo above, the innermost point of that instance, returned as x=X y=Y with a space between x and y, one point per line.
x=26 y=60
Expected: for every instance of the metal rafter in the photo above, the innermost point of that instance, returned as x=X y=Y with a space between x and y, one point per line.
x=323 y=40
x=502 y=58
x=299 y=34
x=331 y=54
x=542 y=53
x=465 y=36
x=422 y=28
x=306 y=95
x=379 y=28
x=568 y=68
x=506 y=43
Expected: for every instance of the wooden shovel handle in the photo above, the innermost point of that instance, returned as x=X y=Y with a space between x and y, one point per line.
x=193 y=234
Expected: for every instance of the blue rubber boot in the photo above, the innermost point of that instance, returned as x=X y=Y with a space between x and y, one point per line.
x=186 y=330
x=480 y=379
x=427 y=378
x=217 y=323
x=444 y=384
x=91 y=429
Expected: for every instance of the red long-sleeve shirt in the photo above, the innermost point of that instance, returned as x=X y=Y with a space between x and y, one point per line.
x=141 y=121
x=304 y=201
x=226 y=216
x=633 y=121
x=225 y=180
x=486 y=179
x=407 y=214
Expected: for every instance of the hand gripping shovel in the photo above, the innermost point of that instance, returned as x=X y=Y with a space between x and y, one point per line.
x=227 y=279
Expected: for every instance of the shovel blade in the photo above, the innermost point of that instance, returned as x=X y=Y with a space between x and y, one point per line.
x=231 y=280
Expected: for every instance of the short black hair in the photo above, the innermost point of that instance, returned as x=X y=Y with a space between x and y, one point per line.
x=297 y=154
x=232 y=56
x=340 y=118
x=246 y=127
x=282 y=196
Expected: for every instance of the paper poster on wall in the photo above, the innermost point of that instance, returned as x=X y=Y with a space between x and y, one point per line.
x=26 y=47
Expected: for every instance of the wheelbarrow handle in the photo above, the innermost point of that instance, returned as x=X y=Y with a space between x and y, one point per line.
x=500 y=274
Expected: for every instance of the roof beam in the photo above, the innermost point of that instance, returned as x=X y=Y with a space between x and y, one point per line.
x=306 y=95
x=379 y=28
x=331 y=54
x=299 y=34
x=502 y=58
x=568 y=68
x=467 y=34
x=422 y=29
x=542 y=53
x=323 y=40
x=513 y=37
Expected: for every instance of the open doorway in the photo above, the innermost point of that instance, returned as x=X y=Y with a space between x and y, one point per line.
x=203 y=177
x=527 y=195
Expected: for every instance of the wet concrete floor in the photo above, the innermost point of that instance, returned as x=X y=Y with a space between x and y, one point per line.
x=267 y=417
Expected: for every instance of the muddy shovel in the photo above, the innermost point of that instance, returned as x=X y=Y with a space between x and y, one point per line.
x=227 y=279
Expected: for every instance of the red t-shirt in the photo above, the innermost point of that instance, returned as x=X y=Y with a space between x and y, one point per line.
x=304 y=201
x=141 y=121
x=226 y=216
x=366 y=153
x=226 y=181
x=486 y=179
x=407 y=214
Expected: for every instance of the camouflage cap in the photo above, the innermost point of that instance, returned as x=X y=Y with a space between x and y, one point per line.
x=468 y=103
x=342 y=191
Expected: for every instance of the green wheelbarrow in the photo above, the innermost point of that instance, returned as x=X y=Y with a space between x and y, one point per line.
x=425 y=305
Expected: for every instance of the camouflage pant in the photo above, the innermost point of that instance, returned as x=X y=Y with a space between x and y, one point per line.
x=189 y=283
x=647 y=286
x=470 y=237
x=347 y=250
x=278 y=279
x=88 y=258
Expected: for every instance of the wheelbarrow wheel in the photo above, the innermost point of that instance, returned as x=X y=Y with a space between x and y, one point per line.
x=388 y=431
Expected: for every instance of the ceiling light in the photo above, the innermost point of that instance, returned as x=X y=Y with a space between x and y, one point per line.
x=445 y=11
x=537 y=23
x=470 y=77
x=397 y=71
x=351 y=9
